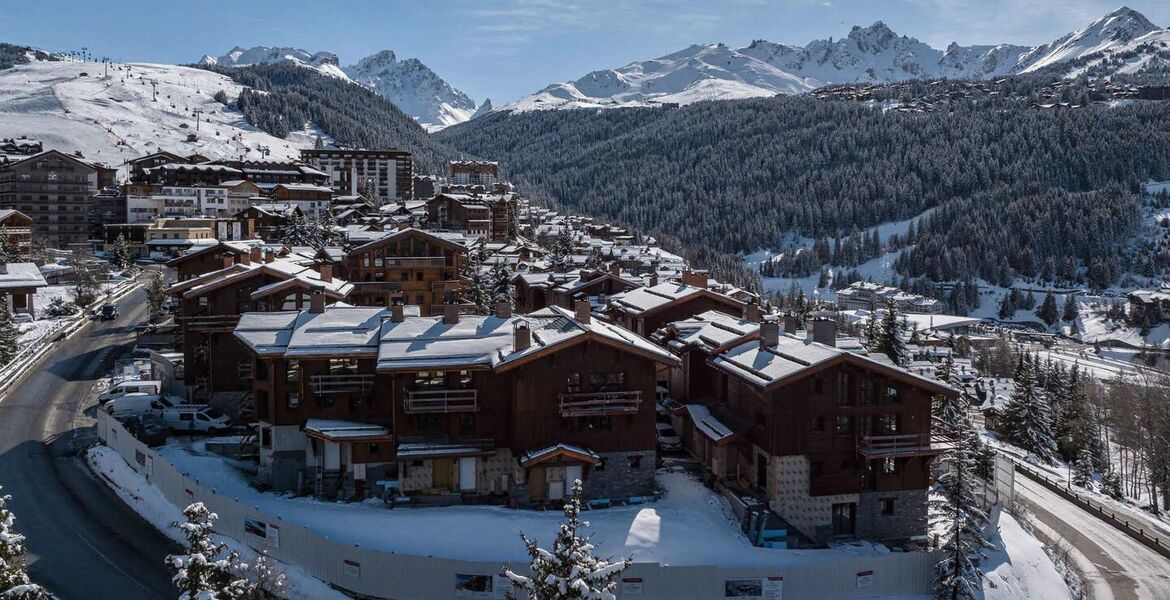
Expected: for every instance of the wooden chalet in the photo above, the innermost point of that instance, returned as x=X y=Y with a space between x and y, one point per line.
x=420 y=268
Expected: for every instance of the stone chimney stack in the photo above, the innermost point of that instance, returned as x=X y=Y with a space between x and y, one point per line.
x=654 y=279
x=256 y=254
x=521 y=336
x=695 y=278
x=769 y=334
x=752 y=313
x=269 y=256
x=228 y=260
x=397 y=312
x=583 y=310
x=791 y=323
x=245 y=258
x=824 y=331
x=504 y=309
x=326 y=272
x=450 y=314
x=317 y=302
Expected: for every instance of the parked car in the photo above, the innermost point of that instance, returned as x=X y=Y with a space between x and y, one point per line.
x=203 y=419
x=668 y=439
x=138 y=404
x=22 y=318
x=109 y=312
x=148 y=429
x=130 y=386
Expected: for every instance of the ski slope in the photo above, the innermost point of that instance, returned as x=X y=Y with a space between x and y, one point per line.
x=76 y=107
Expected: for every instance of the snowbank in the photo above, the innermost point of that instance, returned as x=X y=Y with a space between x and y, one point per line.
x=1020 y=568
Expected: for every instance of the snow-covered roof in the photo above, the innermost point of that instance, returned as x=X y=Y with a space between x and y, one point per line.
x=21 y=275
x=707 y=330
x=294 y=266
x=419 y=450
x=348 y=332
x=305 y=187
x=646 y=299
x=535 y=456
x=707 y=423
x=344 y=430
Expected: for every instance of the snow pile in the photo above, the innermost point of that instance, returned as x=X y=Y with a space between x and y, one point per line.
x=1020 y=568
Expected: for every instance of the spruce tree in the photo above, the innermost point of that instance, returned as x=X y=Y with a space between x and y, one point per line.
x=479 y=290
x=889 y=341
x=501 y=282
x=14 y=581
x=1047 y=311
x=956 y=510
x=949 y=411
x=9 y=334
x=156 y=293
x=120 y=253
x=1070 y=311
x=1027 y=418
x=569 y=570
x=207 y=570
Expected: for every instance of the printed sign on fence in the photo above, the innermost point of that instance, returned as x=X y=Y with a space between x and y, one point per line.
x=749 y=589
x=864 y=579
x=774 y=588
x=352 y=568
x=631 y=586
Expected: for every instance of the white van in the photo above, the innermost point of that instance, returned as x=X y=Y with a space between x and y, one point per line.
x=130 y=386
x=136 y=404
x=195 y=418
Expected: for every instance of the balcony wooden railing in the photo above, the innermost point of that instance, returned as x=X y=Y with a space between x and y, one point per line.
x=908 y=444
x=600 y=403
x=210 y=322
x=323 y=385
x=414 y=262
x=441 y=401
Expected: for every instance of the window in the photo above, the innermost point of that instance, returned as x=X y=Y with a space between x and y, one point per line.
x=635 y=461
x=888 y=423
x=891 y=395
x=844 y=425
x=342 y=366
x=887 y=505
x=373 y=449
x=244 y=369
x=293 y=372
x=606 y=382
x=868 y=392
x=817 y=425
x=844 y=397
x=266 y=437
x=294 y=400
x=429 y=380
x=890 y=466
x=464 y=380
x=573 y=383
x=466 y=424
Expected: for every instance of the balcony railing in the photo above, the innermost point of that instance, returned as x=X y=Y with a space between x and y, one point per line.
x=441 y=401
x=210 y=322
x=414 y=262
x=909 y=444
x=600 y=403
x=323 y=385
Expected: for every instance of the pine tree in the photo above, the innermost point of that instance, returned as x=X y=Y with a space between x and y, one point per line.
x=889 y=340
x=501 y=282
x=9 y=334
x=156 y=293
x=264 y=579
x=1027 y=418
x=1047 y=311
x=1083 y=470
x=1070 y=311
x=478 y=291
x=8 y=251
x=562 y=250
x=957 y=511
x=207 y=570
x=318 y=144
x=569 y=570
x=949 y=411
x=120 y=253
x=14 y=582
x=300 y=232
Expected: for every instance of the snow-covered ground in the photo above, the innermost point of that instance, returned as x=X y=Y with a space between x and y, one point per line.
x=149 y=502
x=74 y=106
x=1019 y=567
x=689 y=526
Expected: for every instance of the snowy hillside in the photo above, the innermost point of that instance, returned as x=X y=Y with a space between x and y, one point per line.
x=74 y=106
x=409 y=84
x=873 y=54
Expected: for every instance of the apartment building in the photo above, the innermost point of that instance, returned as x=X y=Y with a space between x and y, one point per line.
x=486 y=214
x=535 y=291
x=475 y=172
x=866 y=295
x=55 y=189
x=421 y=268
x=386 y=174
x=453 y=408
x=644 y=310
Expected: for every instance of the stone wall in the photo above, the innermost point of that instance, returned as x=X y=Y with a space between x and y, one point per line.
x=415 y=475
x=788 y=495
x=618 y=479
x=909 y=518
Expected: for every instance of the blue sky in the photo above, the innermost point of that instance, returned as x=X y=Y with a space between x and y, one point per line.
x=505 y=49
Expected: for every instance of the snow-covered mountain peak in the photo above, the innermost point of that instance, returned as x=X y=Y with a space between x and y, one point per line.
x=377 y=62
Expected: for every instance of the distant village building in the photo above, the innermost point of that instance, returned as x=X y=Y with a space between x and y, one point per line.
x=16 y=227
x=475 y=172
x=19 y=283
x=388 y=173
x=866 y=295
x=1149 y=306
x=55 y=189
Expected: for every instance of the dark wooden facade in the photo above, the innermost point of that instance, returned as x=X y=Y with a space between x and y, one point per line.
x=413 y=265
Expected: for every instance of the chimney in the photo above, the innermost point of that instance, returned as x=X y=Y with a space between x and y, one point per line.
x=769 y=334
x=654 y=279
x=791 y=323
x=326 y=271
x=695 y=278
x=752 y=313
x=228 y=260
x=583 y=310
x=521 y=336
x=390 y=300
x=256 y=254
x=245 y=258
x=317 y=302
x=269 y=255
x=397 y=313
x=450 y=314
x=504 y=309
x=824 y=331
x=3 y=268
x=615 y=268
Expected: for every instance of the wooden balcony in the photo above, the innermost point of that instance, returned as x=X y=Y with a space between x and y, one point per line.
x=910 y=444
x=600 y=403
x=324 y=385
x=414 y=262
x=441 y=401
x=210 y=323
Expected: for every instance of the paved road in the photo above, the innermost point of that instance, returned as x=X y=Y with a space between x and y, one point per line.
x=1113 y=564
x=84 y=542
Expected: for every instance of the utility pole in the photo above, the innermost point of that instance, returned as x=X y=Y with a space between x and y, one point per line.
x=197 y=112
x=154 y=90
